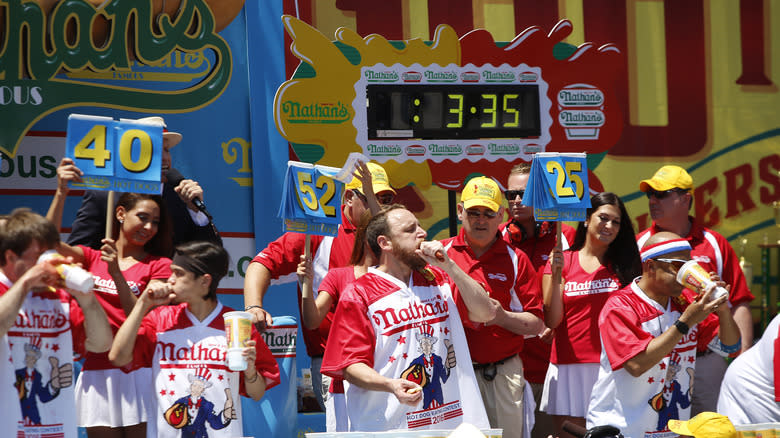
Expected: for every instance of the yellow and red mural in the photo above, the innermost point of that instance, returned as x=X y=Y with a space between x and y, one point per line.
x=691 y=83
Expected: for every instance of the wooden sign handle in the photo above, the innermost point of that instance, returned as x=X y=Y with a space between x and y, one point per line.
x=558 y=245
x=110 y=215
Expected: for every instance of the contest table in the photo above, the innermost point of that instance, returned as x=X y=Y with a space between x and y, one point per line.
x=766 y=285
x=489 y=433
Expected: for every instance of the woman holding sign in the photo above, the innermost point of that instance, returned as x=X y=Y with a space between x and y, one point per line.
x=111 y=401
x=603 y=258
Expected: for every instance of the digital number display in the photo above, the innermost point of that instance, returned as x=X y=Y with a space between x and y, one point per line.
x=453 y=111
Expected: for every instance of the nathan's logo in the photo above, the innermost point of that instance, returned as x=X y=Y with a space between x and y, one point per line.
x=281 y=340
x=527 y=76
x=580 y=96
x=415 y=150
x=581 y=124
x=411 y=76
x=579 y=118
x=383 y=150
x=441 y=76
x=475 y=149
x=381 y=76
x=316 y=112
x=41 y=319
x=445 y=149
x=532 y=149
x=503 y=149
x=469 y=76
x=198 y=352
x=391 y=319
x=498 y=76
x=51 y=62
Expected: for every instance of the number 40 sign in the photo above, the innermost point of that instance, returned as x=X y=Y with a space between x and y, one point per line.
x=124 y=155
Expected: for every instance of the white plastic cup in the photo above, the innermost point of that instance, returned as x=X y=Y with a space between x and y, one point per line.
x=693 y=276
x=75 y=277
x=238 y=329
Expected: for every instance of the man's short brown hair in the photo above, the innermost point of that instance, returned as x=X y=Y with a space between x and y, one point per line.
x=23 y=227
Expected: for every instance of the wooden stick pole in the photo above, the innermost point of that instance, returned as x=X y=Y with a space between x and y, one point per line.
x=110 y=215
x=558 y=245
x=307 y=255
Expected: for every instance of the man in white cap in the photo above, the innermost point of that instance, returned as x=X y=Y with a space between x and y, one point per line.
x=670 y=198
x=279 y=260
x=510 y=278
x=189 y=224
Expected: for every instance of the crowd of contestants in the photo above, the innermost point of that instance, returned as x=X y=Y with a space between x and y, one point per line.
x=526 y=336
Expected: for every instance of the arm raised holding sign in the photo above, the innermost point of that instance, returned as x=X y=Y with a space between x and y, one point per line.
x=180 y=196
x=127 y=263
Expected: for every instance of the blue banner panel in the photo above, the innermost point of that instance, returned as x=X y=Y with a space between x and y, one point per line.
x=558 y=187
x=120 y=155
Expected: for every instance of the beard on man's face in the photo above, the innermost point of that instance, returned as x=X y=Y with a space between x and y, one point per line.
x=409 y=257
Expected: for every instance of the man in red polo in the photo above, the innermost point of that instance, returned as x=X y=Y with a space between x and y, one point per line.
x=669 y=195
x=509 y=277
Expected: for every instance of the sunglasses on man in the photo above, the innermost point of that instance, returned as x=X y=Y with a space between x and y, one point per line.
x=475 y=214
x=663 y=194
x=511 y=195
x=677 y=263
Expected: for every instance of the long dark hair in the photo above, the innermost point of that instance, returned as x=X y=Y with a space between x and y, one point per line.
x=162 y=242
x=359 y=247
x=622 y=254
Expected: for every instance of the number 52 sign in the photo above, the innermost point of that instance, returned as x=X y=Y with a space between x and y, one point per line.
x=558 y=187
x=311 y=201
x=124 y=155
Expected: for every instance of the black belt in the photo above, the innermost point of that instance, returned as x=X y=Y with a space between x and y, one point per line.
x=703 y=353
x=489 y=369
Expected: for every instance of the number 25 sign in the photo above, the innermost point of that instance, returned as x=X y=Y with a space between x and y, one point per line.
x=311 y=202
x=558 y=187
x=124 y=155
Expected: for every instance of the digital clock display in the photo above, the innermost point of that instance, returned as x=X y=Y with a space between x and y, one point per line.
x=455 y=111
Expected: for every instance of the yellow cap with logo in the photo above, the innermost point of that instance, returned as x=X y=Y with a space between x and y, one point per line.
x=481 y=192
x=667 y=178
x=379 y=180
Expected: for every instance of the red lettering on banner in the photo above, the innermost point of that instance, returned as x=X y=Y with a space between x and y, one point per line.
x=706 y=210
x=751 y=29
x=739 y=180
x=686 y=133
x=769 y=172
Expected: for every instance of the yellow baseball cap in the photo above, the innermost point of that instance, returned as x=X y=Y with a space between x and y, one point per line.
x=667 y=178
x=481 y=192
x=704 y=425
x=378 y=179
